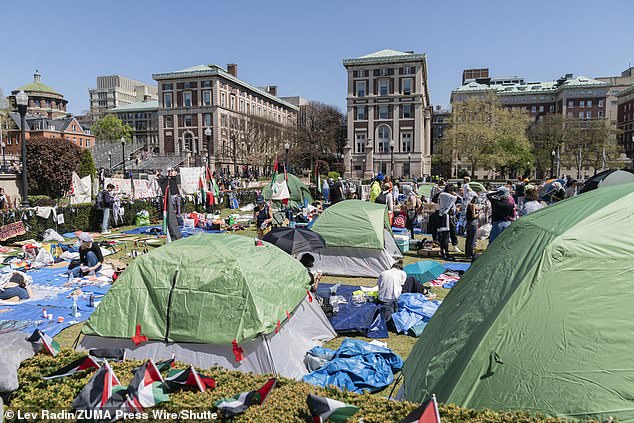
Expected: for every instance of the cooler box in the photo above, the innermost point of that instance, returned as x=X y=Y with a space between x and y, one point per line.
x=402 y=242
x=400 y=231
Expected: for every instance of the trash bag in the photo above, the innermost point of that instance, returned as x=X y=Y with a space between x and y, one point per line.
x=142 y=218
x=317 y=357
x=484 y=231
x=50 y=235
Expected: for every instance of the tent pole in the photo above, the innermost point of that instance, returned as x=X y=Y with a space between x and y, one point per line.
x=271 y=362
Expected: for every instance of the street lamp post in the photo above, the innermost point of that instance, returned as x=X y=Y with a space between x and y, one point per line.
x=22 y=100
x=110 y=161
x=287 y=147
x=350 y=165
x=123 y=154
x=208 y=136
x=409 y=165
x=363 y=169
x=552 y=164
x=392 y=160
x=4 y=162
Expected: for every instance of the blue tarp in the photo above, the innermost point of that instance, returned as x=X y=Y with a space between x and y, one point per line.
x=357 y=366
x=413 y=309
x=158 y=230
x=354 y=318
x=457 y=266
x=27 y=315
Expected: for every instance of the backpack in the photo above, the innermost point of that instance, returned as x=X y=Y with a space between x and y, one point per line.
x=99 y=201
x=380 y=199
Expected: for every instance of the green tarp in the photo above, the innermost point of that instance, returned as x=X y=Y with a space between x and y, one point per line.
x=208 y=288
x=353 y=223
x=544 y=319
x=298 y=191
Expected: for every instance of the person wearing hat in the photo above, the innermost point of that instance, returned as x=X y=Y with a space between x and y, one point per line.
x=375 y=188
x=90 y=257
x=263 y=216
x=502 y=211
x=336 y=195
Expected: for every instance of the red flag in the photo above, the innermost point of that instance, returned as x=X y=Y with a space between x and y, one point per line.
x=288 y=315
x=426 y=413
x=237 y=351
x=310 y=297
x=277 y=327
x=138 y=338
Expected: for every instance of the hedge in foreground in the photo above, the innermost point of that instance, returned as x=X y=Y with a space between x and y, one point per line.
x=287 y=403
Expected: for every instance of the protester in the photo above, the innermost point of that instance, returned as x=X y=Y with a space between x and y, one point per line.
x=390 y=284
x=571 y=188
x=263 y=216
x=411 y=206
x=325 y=191
x=502 y=211
x=472 y=217
x=104 y=202
x=446 y=207
x=467 y=192
x=336 y=195
x=308 y=261
x=532 y=202
x=385 y=197
x=375 y=188
x=15 y=286
x=558 y=192
x=520 y=191
x=5 y=200
x=90 y=257
x=396 y=191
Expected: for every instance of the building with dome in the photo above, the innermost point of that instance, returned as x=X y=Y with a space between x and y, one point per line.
x=44 y=101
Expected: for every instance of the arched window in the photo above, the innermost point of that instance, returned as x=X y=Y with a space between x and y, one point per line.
x=189 y=142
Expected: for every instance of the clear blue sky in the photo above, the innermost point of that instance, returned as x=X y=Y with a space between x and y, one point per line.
x=299 y=45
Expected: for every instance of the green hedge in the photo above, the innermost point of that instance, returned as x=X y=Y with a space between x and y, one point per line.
x=287 y=403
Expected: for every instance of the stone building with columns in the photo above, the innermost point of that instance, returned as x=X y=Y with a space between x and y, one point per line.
x=207 y=96
x=389 y=115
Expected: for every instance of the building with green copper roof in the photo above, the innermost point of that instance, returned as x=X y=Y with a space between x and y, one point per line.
x=44 y=101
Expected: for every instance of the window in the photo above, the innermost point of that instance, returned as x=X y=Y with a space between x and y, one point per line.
x=533 y=109
x=406 y=142
x=408 y=70
x=187 y=120
x=407 y=86
x=360 y=144
x=360 y=88
x=223 y=120
x=600 y=103
x=166 y=87
x=74 y=128
x=588 y=115
x=74 y=140
x=600 y=113
x=571 y=104
x=207 y=119
x=551 y=108
x=384 y=138
x=383 y=86
x=223 y=99
x=168 y=122
x=541 y=109
x=384 y=72
x=407 y=111
x=207 y=98
x=241 y=105
x=582 y=103
x=384 y=112
x=233 y=102
x=206 y=84
x=167 y=100
x=361 y=113
x=187 y=99
x=580 y=115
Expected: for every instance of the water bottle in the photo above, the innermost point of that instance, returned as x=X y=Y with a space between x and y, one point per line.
x=91 y=300
x=74 y=306
x=70 y=277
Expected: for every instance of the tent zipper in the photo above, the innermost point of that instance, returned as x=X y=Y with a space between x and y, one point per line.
x=169 y=307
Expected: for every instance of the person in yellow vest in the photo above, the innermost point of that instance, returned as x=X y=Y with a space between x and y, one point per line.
x=375 y=188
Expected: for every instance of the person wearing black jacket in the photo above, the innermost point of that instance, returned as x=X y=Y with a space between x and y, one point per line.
x=105 y=200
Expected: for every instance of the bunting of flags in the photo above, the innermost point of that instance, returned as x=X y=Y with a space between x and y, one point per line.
x=188 y=377
x=239 y=403
x=43 y=340
x=426 y=413
x=85 y=363
x=323 y=409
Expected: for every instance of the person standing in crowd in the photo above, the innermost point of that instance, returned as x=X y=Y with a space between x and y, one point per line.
x=336 y=195
x=90 y=257
x=571 y=188
x=104 y=202
x=472 y=217
x=325 y=191
x=411 y=206
x=466 y=189
x=5 y=200
x=520 y=191
x=375 y=188
x=263 y=216
x=532 y=202
x=502 y=211
x=558 y=192
x=446 y=208
x=396 y=191
x=436 y=190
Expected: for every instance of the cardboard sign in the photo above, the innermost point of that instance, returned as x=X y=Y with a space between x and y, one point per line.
x=60 y=219
x=11 y=230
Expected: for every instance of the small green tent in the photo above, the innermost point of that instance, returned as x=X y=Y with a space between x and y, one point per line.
x=298 y=191
x=543 y=320
x=199 y=294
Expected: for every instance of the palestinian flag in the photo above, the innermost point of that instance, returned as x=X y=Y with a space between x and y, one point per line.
x=85 y=363
x=170 y=225
x=214 y=186
x=98 y=390
x=201 y=188
x=239 y=403
x=43 y=340
x=165 y=364
x=275 y=172
x=188 y=377
x=323 y=409
x=426 y=413
x=115 y=354
x=145 y=389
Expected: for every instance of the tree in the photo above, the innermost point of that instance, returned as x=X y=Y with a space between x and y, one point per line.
x=319 y=137
x=484 y=134
x=549 y=137
x=87 y=166
x=110 y=128
x=51 y=163
x=591 y=143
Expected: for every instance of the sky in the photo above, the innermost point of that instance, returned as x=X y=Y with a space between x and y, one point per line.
x=299 y=45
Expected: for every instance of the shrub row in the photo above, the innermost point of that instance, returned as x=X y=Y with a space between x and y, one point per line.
x=287 y=403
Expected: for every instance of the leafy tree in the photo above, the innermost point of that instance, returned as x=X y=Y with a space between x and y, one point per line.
x=591 y=143
x=548 y=136
x=111 y=128
x=87 y=166
x=51 y=163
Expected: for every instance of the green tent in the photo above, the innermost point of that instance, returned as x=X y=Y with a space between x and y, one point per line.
x=543 y=320
x=209 y=288
x=298 y=191
x=353 y=223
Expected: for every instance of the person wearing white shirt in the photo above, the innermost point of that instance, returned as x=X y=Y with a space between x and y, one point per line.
x=466 y=189
x=390 y=285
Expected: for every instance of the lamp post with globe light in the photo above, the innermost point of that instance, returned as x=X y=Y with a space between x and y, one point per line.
x=123 y=154
x=22 y=100
x=392 y=160
x=208 y=137
x=287 y=147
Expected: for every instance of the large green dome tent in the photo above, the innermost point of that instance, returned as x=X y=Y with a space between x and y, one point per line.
x=298 y=191
x=358 y=239
x=195 y=296
x=543 y=320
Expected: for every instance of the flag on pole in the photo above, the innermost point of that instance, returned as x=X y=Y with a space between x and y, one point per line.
x=323 y=409
x=318 y=177
x=275 y=172
x=116 y=354
x=426 y=413
x=188 y=377
x=145 y=389
x=98 y=390
x=239 y=403
x=165 y=364
x=43 y=340
x=85 y=363
x=201 y=187
x=170 y=225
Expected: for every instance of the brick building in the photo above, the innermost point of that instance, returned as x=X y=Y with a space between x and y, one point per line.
x=625 y=119
x=388 y=101
x=142 y=116
x=207 y=96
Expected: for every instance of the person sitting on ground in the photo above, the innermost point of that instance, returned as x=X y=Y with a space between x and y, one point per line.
x=263 y=216
x=308 y=260
x=392 y=283
x=532 y=202
x=90 y=257
x=15 y=286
